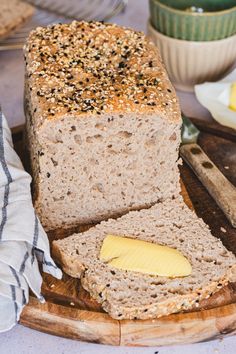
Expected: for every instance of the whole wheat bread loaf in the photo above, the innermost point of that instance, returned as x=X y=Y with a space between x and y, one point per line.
x=130 y=295
x=103 y=123
x=12 y=14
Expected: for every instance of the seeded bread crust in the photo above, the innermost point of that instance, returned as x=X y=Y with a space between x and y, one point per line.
x=12 y=14
x=86 y=68
x=130 y=295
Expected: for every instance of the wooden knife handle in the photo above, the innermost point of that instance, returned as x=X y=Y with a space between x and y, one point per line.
x=221 y=190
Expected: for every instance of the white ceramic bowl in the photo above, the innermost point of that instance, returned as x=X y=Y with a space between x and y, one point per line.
x=189 y=63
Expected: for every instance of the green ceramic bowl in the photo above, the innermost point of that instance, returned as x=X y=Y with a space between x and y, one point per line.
x=217 y=21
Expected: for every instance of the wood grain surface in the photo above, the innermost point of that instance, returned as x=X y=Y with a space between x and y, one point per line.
x=70 y=312
x=217 y=185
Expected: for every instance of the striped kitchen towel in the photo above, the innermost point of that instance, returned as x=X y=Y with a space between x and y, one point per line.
x=23 y=242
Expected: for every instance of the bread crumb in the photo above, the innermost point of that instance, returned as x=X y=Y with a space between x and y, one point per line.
x=226 y=167
x=212 y=261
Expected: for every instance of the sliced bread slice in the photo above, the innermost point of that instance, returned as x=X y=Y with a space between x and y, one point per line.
x=12 y=14
x=130 y=295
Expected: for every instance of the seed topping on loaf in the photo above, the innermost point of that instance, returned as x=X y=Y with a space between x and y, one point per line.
x=95 y=68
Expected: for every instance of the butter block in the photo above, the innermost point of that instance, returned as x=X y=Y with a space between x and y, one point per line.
x=145 y=257
x=232 y=99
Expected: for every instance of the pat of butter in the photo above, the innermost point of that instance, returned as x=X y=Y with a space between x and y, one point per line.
x=232 y=99
x=144 y=257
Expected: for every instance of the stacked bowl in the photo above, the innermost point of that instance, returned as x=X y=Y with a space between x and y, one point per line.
x=196 y=38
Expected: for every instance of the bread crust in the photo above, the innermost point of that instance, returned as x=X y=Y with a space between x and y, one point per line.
x=71 y=266
x=93 y=68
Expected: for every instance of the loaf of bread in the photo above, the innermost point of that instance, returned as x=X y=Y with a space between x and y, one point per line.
x=130 y=295
x=103 y=123
x=12 y=14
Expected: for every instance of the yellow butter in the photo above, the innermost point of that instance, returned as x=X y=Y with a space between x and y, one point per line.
x=144 y=257
x=232 y=99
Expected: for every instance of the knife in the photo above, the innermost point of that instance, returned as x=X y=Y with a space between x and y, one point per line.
x=218 y=186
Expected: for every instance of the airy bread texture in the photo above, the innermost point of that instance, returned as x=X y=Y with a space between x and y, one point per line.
x=103 y=123
x=12 y=14
x=131 y=295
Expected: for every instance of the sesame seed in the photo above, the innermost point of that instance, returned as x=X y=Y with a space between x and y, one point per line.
x=222 y=229
x=121 y=64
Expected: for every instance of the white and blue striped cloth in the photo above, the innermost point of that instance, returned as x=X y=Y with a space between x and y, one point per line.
x=23 y=242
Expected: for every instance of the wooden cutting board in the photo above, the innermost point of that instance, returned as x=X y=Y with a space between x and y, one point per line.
x=70 y=312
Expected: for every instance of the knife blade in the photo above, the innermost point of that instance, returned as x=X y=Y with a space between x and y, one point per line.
x=218 y=186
